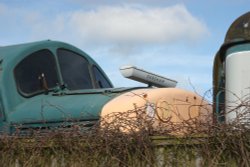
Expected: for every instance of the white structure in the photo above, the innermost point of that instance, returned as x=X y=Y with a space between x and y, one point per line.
x=237 y=85
x=146 y=77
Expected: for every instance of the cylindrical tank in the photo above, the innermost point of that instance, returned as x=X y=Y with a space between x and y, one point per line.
x=170 y=110
x=231 y=74
x=237 y=84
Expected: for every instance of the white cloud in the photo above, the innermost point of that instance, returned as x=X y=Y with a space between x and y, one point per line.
x=108 y=31
x=138 y=25
x=122 y=28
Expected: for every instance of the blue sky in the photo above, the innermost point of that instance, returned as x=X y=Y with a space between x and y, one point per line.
x=174 y=38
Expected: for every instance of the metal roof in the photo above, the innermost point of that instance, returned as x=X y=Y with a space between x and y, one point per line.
x=239 y=29
x=13 y=51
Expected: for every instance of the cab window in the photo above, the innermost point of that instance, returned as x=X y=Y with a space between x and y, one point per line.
x=74 y=70
x=35 y=72
x=100 y=79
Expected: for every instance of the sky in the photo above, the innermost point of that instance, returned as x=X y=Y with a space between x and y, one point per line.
x=177 y=39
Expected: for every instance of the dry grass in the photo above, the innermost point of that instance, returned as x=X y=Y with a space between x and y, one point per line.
x=127 y=141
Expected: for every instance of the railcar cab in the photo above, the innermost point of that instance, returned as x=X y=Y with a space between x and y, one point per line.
x=58 y=66
x=47 y=83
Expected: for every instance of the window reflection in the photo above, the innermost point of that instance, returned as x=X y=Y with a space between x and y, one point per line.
x=100 y=79
x=31 y=68
x=74 y=69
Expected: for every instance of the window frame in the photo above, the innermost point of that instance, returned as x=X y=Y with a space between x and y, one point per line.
x=28 y=95
x=89 y=65
x=103 y=75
